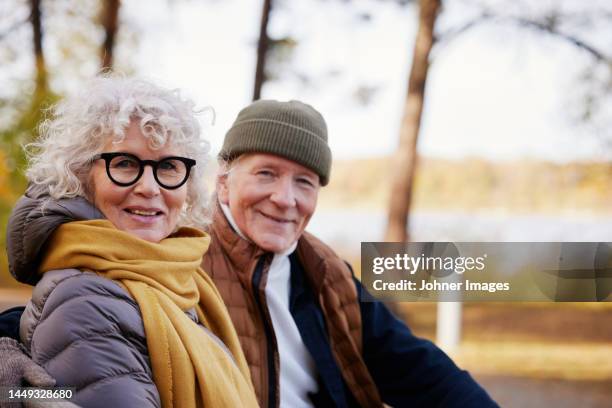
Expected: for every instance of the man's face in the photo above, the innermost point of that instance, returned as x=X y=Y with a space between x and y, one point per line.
x=270 y=198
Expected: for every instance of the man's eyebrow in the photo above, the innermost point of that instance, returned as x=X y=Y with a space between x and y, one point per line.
x=306 y=173
x=266 y=165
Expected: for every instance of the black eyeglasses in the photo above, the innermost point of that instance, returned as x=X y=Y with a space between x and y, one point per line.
x=124 y=169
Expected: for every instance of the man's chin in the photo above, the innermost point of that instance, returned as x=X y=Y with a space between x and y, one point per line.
x=274 y=244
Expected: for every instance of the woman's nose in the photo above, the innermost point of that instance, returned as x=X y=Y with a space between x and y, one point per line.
x=147 y=185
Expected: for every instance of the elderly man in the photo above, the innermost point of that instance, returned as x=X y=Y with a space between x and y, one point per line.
x=308 y=339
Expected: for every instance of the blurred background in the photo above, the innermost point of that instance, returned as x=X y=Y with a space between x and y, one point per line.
x=449 y=120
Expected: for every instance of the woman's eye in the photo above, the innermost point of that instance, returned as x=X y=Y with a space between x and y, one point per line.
x=124 y=164
x=167 y=165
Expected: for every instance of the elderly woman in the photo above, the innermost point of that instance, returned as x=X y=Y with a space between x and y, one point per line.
x=122 y=310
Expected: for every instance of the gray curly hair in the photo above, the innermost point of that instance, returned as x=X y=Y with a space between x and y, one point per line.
x=80 y=126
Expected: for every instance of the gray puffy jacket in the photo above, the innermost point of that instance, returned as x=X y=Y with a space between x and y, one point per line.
x=85 y=330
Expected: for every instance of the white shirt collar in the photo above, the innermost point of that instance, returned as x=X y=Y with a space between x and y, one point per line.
x=230 y=219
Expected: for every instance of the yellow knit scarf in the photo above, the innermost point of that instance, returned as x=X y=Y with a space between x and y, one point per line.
x=190 y=368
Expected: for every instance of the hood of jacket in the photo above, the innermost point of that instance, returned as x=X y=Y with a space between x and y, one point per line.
x=34 y=218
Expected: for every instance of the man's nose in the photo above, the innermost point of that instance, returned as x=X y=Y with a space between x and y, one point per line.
x=283 y=194
x=147 y=185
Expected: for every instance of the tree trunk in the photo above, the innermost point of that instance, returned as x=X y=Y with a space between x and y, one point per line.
x=110 y=18
x=404 y=161
x=39 y=56
x=262 y=49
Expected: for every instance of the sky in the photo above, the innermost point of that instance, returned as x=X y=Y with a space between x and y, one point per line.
x=495 y=93
x=499 y=93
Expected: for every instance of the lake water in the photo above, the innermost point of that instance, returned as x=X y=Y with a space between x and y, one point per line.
x=348 y=228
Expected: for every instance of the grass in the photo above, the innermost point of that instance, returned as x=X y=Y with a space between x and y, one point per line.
x=560 y=341
x=541 y=360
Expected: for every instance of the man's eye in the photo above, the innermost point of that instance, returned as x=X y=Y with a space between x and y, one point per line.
x=306 y=182
x=265 y=173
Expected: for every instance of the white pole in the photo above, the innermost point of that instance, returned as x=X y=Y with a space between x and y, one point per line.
x=448 y=325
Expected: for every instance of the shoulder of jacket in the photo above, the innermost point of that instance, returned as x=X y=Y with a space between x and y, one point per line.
x=60 y=286
x=315 y=246
x=315 y=253
x=88 y=333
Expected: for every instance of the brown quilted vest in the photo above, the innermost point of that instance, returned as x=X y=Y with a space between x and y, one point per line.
x=231 y=262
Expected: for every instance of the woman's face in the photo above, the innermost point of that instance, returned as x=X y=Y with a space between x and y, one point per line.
x=144 y=209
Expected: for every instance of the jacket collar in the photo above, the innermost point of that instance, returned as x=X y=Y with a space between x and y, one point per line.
x=311 y=253
x=314 y=255
x=241 y=251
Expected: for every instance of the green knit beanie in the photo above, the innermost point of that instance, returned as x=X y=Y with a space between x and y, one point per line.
x=293 y=130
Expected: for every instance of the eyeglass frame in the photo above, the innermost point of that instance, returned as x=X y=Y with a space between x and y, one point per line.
x=108 y=157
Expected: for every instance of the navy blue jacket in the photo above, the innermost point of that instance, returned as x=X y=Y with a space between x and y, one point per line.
x=9 y=322
x=408 y=371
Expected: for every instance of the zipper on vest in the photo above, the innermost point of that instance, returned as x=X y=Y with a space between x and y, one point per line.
x=272 y=374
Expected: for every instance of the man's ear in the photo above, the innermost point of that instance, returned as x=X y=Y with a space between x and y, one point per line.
x=222 y=188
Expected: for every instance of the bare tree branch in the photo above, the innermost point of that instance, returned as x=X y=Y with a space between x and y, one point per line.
x=451 y=34
x=552 y=30
x=15 y=26
x=548 y=26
